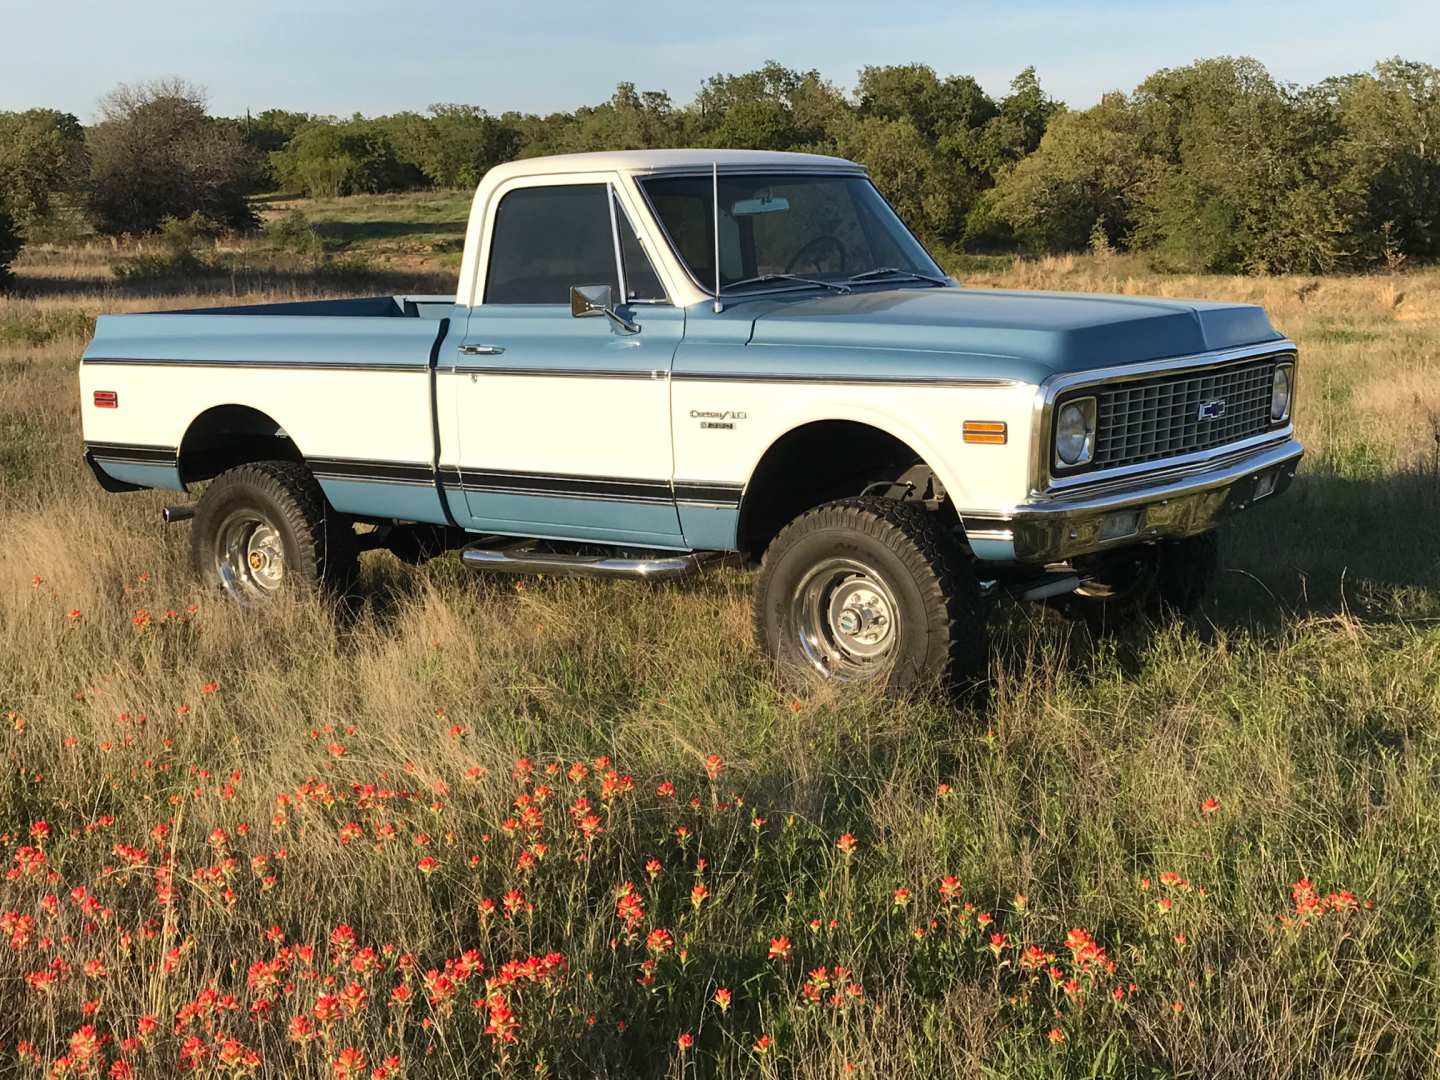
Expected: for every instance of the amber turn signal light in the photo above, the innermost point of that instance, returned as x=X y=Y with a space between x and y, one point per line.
x=985 y=431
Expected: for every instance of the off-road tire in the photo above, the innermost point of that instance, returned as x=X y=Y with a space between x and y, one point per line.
x=940 y=615
x=319 y=546
x=1172 y=577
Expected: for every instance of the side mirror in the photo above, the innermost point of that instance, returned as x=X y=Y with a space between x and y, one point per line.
x=588 y=301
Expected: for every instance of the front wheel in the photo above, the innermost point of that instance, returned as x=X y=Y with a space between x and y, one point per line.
x=264 y=528
x=873 y=590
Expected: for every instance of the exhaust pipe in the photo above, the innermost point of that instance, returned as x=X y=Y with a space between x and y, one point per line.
x=171 y=514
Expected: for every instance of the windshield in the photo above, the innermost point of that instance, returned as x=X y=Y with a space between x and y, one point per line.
x=826 y=230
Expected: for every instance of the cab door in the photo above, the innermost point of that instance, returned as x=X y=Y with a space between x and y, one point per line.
x=563 y=423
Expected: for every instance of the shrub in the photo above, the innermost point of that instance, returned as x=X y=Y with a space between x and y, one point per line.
x=177 y=258
x=294 y=234
x=326 y=160
x=9 y=245
x=155 y=154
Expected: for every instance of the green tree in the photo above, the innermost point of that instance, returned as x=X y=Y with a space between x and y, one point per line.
x=155 y=154
x=455 y=145
x=770 y=108
x=907 y=172
x=356 y=156
x=1247 y=178
x=9 y=245
x=42 y=152
x=1391 y=149
x=1091 y=168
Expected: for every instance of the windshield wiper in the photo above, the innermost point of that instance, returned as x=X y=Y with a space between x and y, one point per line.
x=883 y=271
x=763 y=278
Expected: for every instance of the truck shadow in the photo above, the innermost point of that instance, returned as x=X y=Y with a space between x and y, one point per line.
x=1365 y=548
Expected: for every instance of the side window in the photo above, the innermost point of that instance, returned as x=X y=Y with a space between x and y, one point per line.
x=546 y=239
x=640 y=278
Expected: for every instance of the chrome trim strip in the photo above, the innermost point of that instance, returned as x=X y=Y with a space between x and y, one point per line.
x=258 y=365
x=558 y=373
x=1046 y=394
x=843 y=380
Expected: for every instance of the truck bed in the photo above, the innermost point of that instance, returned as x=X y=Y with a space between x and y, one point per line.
x=354 y=376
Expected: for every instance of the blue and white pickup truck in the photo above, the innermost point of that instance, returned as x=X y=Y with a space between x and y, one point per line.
x=655 y=357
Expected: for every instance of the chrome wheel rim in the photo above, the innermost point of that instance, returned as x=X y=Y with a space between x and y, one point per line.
x=845 y=618
x=249 y=556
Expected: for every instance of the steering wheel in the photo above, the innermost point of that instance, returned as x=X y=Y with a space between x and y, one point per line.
x=815 y=249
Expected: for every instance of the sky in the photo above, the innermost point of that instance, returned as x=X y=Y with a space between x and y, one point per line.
x=345 y=56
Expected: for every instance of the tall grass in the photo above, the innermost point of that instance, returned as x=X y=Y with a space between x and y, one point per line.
x=223 y=791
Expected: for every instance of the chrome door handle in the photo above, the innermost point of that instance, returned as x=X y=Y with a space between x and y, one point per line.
x=481 y=350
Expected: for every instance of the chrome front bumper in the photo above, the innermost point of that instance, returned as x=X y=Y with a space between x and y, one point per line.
x=1169 y=505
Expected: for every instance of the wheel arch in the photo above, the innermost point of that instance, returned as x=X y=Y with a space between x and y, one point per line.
x=224 y=436
x=839 y=457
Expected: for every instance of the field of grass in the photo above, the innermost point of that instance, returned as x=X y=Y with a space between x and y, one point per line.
x=564 y=828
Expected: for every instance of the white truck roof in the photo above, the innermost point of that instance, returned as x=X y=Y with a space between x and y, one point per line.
x=627 y=166
x=641 y=161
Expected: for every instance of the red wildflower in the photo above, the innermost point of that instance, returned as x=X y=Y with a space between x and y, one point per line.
x=685 y=1041
x=1210 y=806
x=349 y=1063
x=779 y=948
x=847 y=843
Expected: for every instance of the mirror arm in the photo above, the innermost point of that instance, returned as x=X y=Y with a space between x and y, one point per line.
x=622 y=322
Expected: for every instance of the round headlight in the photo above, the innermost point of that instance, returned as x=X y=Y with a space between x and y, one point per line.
x=1280 y=393
x=1075 y=432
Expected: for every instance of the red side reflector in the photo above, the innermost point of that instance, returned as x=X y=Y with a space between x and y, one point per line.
x=107 y=399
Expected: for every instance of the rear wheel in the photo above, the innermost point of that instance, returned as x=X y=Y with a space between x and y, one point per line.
x=871 y=590
x=265 y=528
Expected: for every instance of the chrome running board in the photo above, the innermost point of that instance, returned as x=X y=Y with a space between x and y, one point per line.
x=520 y=561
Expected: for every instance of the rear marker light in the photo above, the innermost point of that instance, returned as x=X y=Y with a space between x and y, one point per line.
x=986 y=431
x=107 y=399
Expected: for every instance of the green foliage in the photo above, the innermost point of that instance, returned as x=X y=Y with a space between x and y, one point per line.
x=9 y=245
x=326 y=159
x=177 y=257
x=1213 y=167
x=294 y=234
x=1086 y=169
x=1390 y=144
x=42 y=152
x=156 y=154
x=455 y=145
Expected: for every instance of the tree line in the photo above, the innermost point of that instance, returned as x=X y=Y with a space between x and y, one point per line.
x=1213 y=167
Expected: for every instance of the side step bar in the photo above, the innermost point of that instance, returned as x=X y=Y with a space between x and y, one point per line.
x=519 y=561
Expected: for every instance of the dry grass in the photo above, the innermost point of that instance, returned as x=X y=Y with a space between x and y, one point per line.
x=1304 y=701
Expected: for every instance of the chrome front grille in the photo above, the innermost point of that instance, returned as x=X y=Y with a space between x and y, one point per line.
x=1169 y=415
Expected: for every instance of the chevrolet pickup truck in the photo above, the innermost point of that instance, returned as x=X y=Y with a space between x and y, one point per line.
x=654 y=358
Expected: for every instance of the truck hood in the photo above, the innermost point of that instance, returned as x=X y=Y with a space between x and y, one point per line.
x=1038 y=333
